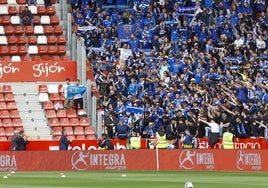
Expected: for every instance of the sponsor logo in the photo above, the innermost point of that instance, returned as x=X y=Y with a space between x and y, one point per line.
x=189 y=159
x=8 y=163
x=83 y=160
x=248 y=160
x=239 y=145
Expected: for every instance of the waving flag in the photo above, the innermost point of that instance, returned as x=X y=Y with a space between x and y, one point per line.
x=75 y=90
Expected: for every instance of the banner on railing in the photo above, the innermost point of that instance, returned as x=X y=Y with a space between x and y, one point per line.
x=45 y=71
x=210 y=159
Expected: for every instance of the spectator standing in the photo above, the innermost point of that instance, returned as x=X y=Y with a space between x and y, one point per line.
x=13 y=143
x=68 y=102
x=21 y=141
x=105 y=143
x=110 y=122
x=26 y=17
x=64 y=142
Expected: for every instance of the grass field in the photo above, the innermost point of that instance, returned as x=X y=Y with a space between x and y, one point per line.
x=131 y=179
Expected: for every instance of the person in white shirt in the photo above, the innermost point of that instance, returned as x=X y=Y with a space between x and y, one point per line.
x=215 y=131
x=68 y=102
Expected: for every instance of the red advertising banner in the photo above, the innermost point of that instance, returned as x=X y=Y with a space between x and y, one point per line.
x=45 y=71
x=45 y=145
x=209 y=159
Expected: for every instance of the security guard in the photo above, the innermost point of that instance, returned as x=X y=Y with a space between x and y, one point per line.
x=228 y=140
x=135 y=141
x=161 y=139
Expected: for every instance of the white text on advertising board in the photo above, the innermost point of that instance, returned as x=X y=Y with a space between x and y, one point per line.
x=251 y=160
x=8 y=163
x=43 y=69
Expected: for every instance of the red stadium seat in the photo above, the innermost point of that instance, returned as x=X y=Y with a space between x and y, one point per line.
x=61 y=50
x=2 y=97
x=51 y=114
x=51 y=39
x=42 y=88
x=79 y=131
x=64 y=122
x=9 y=97
x=58 y=30
x=26 y=58
x=6 y=58
x=91 y=137
x=9 y=131
x=29 y=30
x=36 y=20
x=17 y=123
x=74 y=122
x=80 y=137
x=3 y=2
x=57 y=131
x=61 y=40
x=45 y=58
x=42 y=49
x=54 y=97
x=41 y=10
x=89 y=130
x=4 y=50
x=52 y=50
x=4 y=114
x=7 y=122
x=54 y=20
x=48 y=30
x=32 y=40
x=12 y=10
x=3 y=105
x=69 y=130
x=6 y=89
x=14 y=114
x=13 y=50
x=61 y=113
x=54 y=122
x=51 y=10
x=36 y=58
x=65 y=58
x=11 y=105
x=3 y=138
x=18 y=30
x=21 y=40
x=48 y=105
x=22 y=50
x=5 y=20
x=21 y=2
x=84 y=121
x=71 y=113
x=9 y=30
x=2 y=131
x=70 y=137
x=55 y=58
x=12 y=40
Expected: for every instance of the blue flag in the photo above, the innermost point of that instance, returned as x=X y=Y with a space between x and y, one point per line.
x=125 y=30
x=75 y=90
x=134 y=110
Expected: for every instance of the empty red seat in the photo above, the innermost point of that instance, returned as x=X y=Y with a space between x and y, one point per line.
x=32 y=40
x=12 y=40
x=18 y=30
x=9 y=97
x=4 y=50
x=64 y=122
x=54 y=20
x=52 y=50
x=61 y=50
x=54 y=97
x=48 y=30
x=9 y=30
x=6 y=58
x=29 y=30
x=58 y=30
x=74 y=122
x=48 y=105
x=11 y=105
x=55 y=58
x=22 y=50
x=4 y=114
x=71 y=113
x=36 y=20
x=61 y=113
x=51 y=10
x=42 y=88
x=2 y=131
x=12 y=10
x=17 y=122
x=84 y=121
x=65 y=58
x=9 y=131
x=61 y=39
x=45 y=58
x=89 y=130
x=71 y=137
x=54 y=122
x=57 y=131
x=91 y=137
x=5 y=20
x=36 y=58
x=21 y=2
x=51 y=113
x=13 y=50
x=42 y=49
x=21 y=40
x=6 y=89
x=41 y=10
x=79 y=131
x=7 y=122
x=26 y=58
x=14 y=114
x=3 y=138
x=2 y=97
x=51 y=39
x=3 y=105
x=80 y=137
x=69 y=130
x=3 y=2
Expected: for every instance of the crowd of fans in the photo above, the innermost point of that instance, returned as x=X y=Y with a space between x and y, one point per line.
x=184 y=65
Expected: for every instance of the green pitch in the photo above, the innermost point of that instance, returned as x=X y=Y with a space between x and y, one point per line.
x=134 y=179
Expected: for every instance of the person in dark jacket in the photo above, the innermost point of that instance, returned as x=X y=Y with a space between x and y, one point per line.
x=105 y=143
x=64 y=142
x=13 y=143
x=21 y=141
